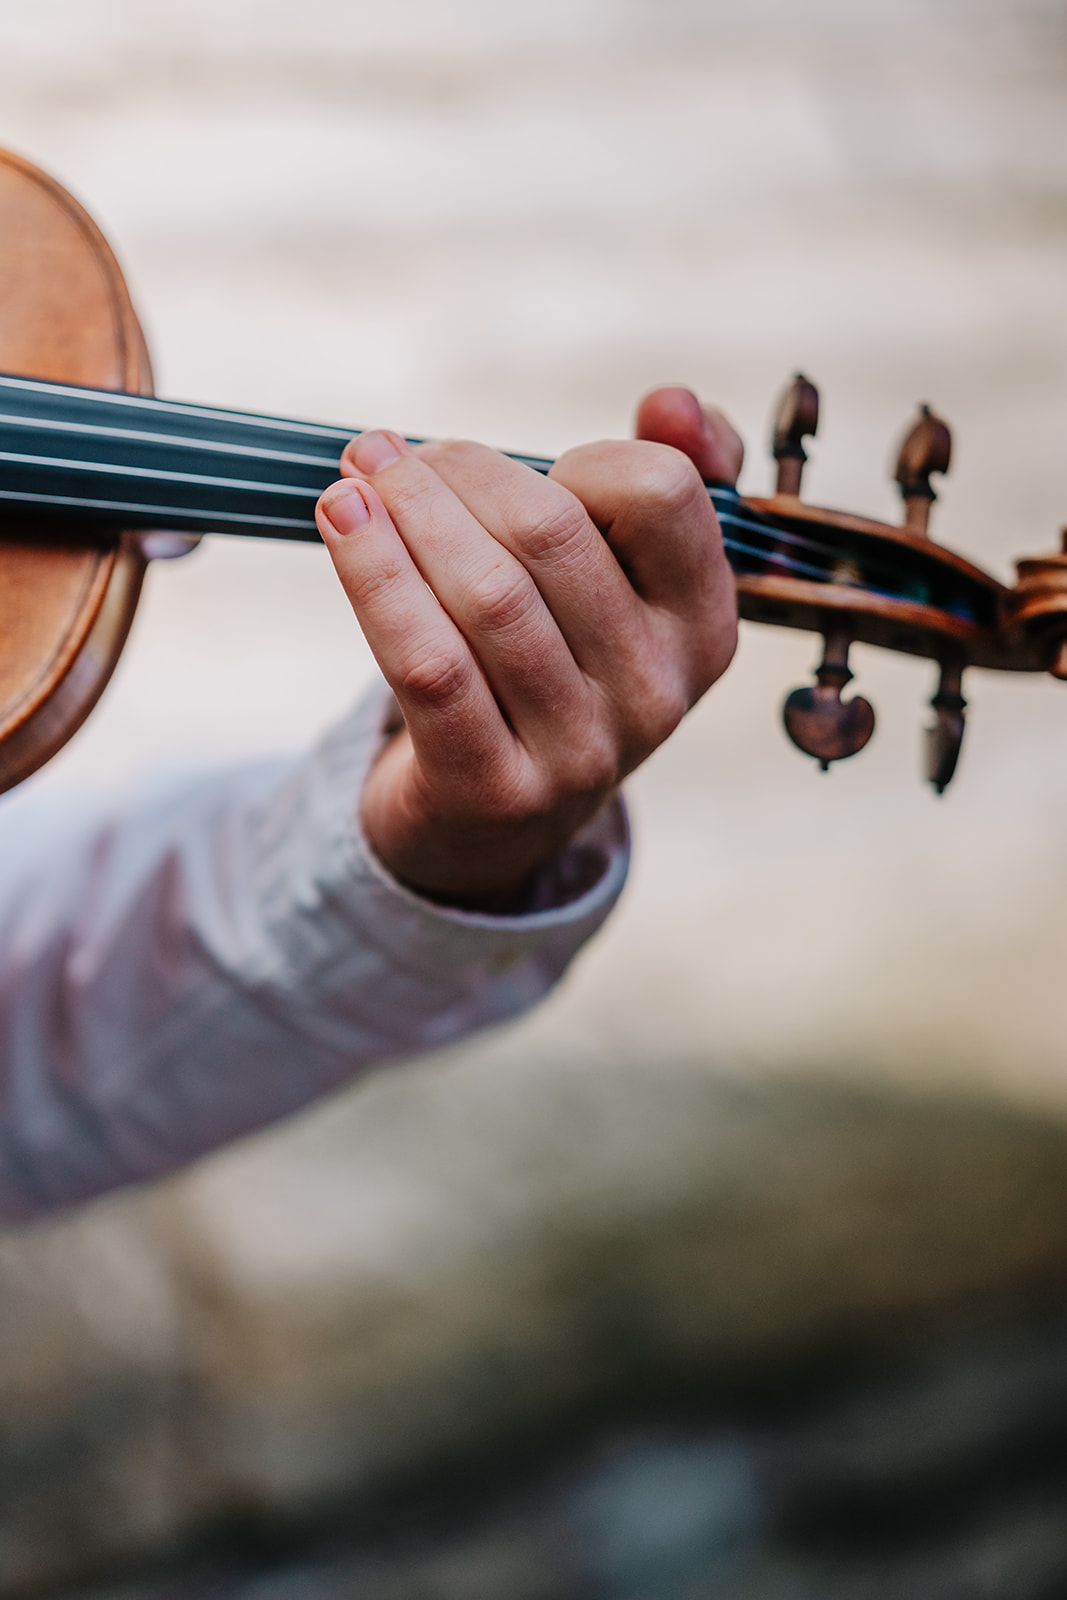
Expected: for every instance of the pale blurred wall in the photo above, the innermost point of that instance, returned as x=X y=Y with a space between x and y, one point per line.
x=507 y=221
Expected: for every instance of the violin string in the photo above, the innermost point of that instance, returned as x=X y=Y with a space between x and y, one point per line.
x=164 y=516
x=778 y=558
x=306 y=530
x=868 y=565
x=197 y=480
x=208 y=515
x=171 y=440
x=727 y=513
x=774 y=558
x=803 y=569
x=177 y=408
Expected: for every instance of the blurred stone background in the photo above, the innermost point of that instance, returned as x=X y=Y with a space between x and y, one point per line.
x=801 y=1105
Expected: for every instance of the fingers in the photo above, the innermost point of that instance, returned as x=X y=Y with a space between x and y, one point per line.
x=445 y=699
x=548 y=530
x=566 y=588
x=618 y=527
x=655 y=512
x=487 y=592
x=674 y=416
x=542 y=637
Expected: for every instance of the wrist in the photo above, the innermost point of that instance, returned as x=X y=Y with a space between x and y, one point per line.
x=501 y=868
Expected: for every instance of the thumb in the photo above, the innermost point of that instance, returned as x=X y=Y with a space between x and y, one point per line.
x=674 y=416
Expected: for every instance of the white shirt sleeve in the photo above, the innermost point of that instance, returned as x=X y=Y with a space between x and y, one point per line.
x=174 y=976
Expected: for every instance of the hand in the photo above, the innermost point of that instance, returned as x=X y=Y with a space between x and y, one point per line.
x=542 y=636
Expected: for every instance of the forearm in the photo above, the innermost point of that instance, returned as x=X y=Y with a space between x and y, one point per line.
x=174 y=979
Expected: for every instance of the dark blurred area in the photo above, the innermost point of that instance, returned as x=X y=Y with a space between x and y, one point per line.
x=940 y=1472
x=814 y=1346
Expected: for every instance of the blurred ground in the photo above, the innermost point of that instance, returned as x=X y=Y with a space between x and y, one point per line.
x=506 y=222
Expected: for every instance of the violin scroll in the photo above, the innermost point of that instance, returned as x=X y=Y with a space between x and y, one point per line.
x=1035 y=611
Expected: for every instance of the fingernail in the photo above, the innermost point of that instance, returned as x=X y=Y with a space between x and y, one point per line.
x=345 y=508
x=370 y=452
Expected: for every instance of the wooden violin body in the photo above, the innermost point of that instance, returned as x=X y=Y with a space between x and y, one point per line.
x=89 y=462
x=65 y=606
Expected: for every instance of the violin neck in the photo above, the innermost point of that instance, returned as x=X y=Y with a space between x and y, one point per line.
x=93 y=457
x=90 y=459
x=96 y=459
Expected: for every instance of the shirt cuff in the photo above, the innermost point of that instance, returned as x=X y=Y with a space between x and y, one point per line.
x=575 y=890
x=366 y=968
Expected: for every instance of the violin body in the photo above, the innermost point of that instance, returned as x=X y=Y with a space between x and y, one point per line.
x=89 y=463
x=65 y=606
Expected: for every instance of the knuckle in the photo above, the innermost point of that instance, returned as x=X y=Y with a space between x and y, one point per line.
x=450 y=453
x=509 y=803
x=717 y=640
x=669 y=481
x=409 y=495
x=590 y=763
x=509 y=795
x=562 y=528
x=437 y=679
x=663 y=715
x=657 y=707
x=502 y=599
x=723 y=648
x=598 y=763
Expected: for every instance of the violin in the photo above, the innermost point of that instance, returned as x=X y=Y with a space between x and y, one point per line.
x=91 y=462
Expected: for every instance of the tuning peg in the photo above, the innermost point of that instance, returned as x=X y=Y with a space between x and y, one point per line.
x=944 y=738
x=816 y=718
x=797 y=419
x=927 y=449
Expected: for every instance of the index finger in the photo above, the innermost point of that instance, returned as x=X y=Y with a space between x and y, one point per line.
x=440 y=688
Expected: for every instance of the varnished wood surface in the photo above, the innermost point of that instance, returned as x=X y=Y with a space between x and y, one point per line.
x=65 y=314
x=908 y=627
